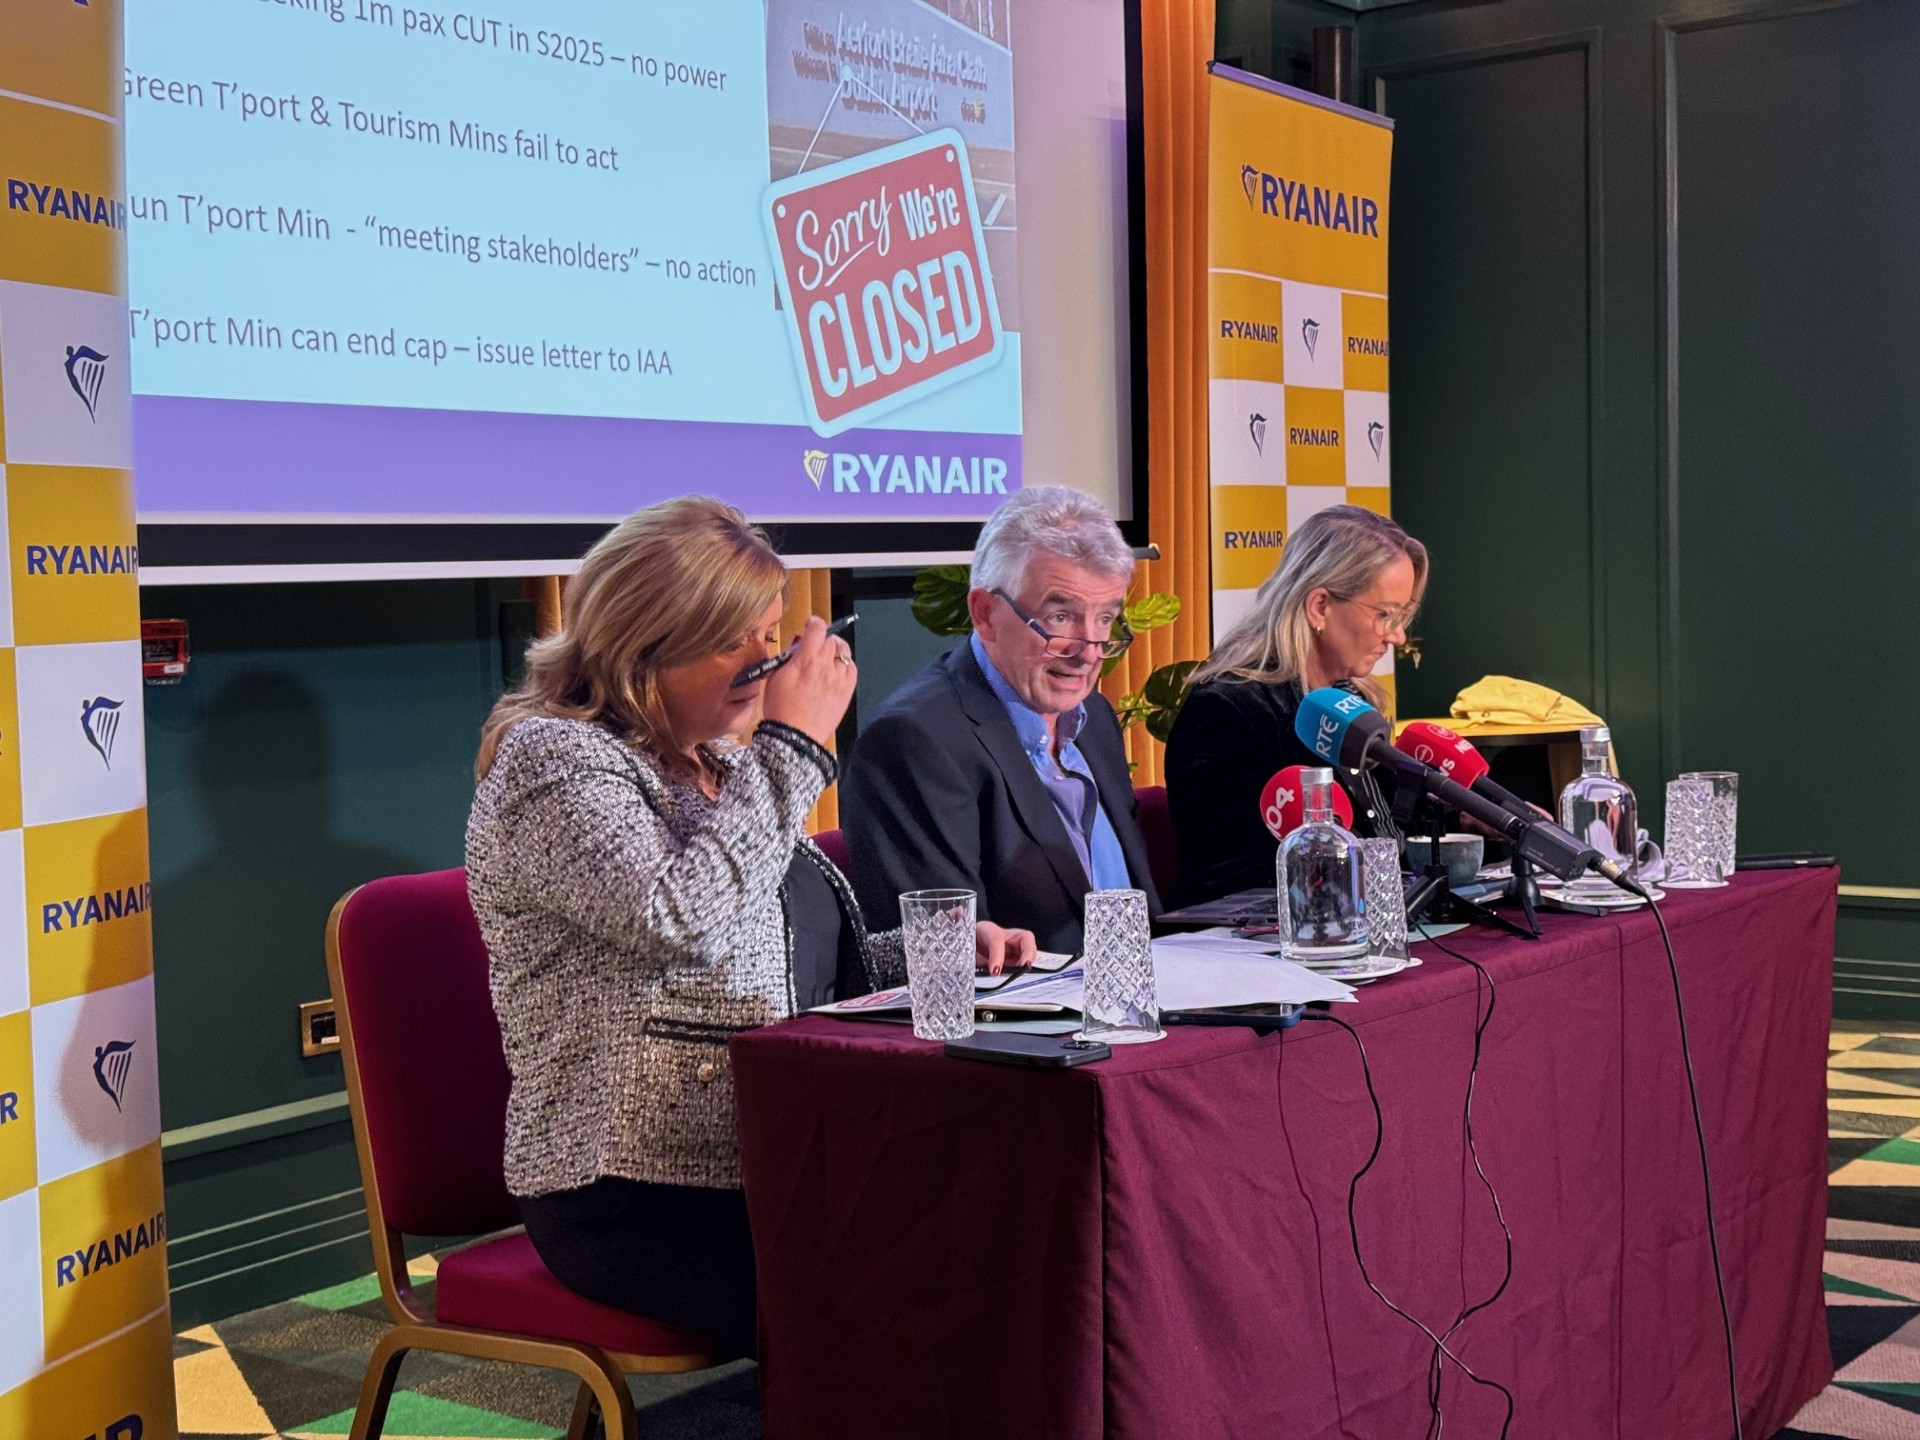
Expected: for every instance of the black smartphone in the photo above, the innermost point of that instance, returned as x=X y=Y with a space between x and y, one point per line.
x=1792 y=860
x=1039 y=1052
x=760 y=669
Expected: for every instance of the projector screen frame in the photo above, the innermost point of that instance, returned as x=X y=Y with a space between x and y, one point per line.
x=292 y=550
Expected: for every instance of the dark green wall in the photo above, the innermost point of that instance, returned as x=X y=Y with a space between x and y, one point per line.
x=324 y=735
x=1655 y=410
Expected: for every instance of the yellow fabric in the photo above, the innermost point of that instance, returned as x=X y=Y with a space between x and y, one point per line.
x=1501 y=700
x=1176 y=41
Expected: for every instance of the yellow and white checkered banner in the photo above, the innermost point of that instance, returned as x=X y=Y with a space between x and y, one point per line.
x=84 y=1340
x=1296 y=321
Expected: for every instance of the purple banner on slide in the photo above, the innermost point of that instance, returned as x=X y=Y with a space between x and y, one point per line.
x=263 y=460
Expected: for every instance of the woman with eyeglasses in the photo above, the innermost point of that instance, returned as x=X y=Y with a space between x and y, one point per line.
x=637 y=863
x=1346 y=588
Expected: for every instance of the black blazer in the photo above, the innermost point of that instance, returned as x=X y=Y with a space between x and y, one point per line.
x=1228 y=740
x=938 y=793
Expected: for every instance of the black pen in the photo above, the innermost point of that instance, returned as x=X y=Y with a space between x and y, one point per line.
x=761 y=669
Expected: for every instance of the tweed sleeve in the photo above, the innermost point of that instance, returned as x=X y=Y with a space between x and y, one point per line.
x=887 y=956
x=583 y=843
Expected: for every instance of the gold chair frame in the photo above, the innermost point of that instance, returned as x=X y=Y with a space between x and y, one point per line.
x=602 y=1373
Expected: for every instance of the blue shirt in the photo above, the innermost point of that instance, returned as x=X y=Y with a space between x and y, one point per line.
x=1068 y=779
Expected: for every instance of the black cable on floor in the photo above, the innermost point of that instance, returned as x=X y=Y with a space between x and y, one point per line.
x=1353 y=1231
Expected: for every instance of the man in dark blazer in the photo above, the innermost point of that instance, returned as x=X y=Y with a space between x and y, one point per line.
x=998 y=768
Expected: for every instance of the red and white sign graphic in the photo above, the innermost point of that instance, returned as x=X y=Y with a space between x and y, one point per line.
x=882 y=267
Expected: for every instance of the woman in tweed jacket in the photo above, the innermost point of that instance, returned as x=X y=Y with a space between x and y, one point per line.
x=646 y=891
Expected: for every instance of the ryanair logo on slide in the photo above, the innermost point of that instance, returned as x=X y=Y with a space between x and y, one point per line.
x=100 y=722
x=1257 y=428
x=1376 y=436
x=111 y=1062
x=1249 y=182
x=86 y=368
x=885 y=473
x=61 y=202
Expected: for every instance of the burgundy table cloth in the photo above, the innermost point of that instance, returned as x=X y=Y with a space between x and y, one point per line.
x=1158 y=1245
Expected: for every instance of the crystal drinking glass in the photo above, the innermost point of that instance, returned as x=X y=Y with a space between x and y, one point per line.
x=1722 y=817
x=1685 y=851
x=1121 y=1006
x=1386 y=900
x=937 y=927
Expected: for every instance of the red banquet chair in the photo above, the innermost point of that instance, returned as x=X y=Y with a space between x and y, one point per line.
x=1156 y=830
x=833 y=844
x=427 y=1082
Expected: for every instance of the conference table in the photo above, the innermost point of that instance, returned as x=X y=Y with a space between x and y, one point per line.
x=1159 y=1244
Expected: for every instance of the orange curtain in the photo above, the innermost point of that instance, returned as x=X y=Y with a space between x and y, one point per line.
x=809 y=593
x=545 y=592
x=1176 y=42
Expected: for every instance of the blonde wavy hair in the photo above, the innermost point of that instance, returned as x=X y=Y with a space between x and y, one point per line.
x=672 y=583
x=1342 y=550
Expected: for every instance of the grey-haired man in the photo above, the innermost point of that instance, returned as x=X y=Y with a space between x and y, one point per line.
x=999 y=768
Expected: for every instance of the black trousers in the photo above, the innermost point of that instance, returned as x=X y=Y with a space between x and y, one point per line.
x=681 y=1254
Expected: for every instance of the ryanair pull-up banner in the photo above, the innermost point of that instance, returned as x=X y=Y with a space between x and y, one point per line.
x=85 y=1348
x=1296 y=321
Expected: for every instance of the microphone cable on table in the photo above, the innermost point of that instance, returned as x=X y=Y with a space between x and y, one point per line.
x=1473 y=1076
x=1353 y=1232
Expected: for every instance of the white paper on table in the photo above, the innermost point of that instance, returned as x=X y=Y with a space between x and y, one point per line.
x=1192 y=976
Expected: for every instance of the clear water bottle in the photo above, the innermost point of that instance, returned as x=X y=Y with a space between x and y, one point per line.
x=1323 y=913
x=1600 y=809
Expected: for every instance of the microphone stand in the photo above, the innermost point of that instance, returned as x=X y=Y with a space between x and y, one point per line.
x=1524 y=890
x=1435 y=892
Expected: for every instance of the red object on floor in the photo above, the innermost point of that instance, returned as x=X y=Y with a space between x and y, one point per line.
x=1158 y=1244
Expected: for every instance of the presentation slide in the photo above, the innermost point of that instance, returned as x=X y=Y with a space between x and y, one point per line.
x=830 y=259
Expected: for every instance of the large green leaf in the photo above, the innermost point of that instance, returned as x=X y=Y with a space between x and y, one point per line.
x=1150 y=612
x=940 y=599
x=1165 y=692
x=1166 y=688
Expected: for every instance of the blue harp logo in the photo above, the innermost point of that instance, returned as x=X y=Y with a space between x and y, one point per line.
x=86 y=368
x=100 y=722
x=111 y=1062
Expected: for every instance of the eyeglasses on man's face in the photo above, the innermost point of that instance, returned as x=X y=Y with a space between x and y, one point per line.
x=1070 y=647
x=1385 y=619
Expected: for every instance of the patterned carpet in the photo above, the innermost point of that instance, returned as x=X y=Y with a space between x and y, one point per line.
x=1873 y=1240
x=293 y=1370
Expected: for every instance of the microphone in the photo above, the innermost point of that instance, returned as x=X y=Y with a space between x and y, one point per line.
x=1343 y=729
x=1455 y=757
x=1281 y=806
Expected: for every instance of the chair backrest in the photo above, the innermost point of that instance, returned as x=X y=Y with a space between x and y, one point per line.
x=424 y=1057
x=833 y=844
x=1156 y=830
